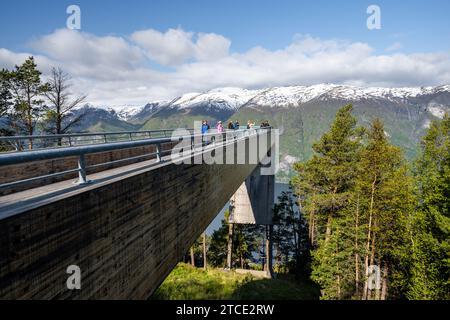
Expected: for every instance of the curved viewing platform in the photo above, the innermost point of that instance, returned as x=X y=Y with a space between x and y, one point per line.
x=127 y=209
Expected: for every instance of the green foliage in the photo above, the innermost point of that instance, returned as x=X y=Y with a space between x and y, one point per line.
x=431 y=223
x=217 y=253
x=290 y=237
x=356 y=194
x=384 y=188
x=333 y=263
x=245 y=242
x=197 y=247
x=5 y=94
x=25 y=90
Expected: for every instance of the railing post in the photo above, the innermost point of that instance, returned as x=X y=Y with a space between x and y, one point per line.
x=158 y=152
x=82 y=178
x=106 y=139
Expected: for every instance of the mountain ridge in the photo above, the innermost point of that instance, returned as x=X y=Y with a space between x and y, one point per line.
x=235 y=98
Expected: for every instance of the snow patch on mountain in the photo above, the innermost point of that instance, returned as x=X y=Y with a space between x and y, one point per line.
x=125 y=113
x=437 y=111
x=357 y=94
x=290 y=96
x=224 y=98
x=230 y=98
x=287 y=162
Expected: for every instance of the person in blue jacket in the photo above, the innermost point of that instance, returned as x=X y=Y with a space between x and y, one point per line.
x=205 y=129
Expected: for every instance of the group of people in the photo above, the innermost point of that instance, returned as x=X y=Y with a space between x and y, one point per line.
x=265 y=124
x=231 y=126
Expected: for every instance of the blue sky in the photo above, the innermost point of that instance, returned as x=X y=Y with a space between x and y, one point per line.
x=420 y=25
x=409 y=28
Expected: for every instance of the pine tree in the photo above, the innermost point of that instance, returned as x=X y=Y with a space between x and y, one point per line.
x=195 y=254
x=357 y=195
x=430 y=275
x=325 y=185
x=383 y=189
x=333 y=264
x=5 y=95
x=244 y=244
x=27 y=89
x=332 y=168
x=290 y=235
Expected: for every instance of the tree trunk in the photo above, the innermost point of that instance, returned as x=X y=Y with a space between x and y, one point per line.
x=263 y=257
x=277 y=256
x=192 y=256
x=372 y=259
x=369 y=233
x=230 y=245
x=384 y=285
x=338 y=273
x=330 y=217
x=204 y=251
x=312 y=219
x=328 y=231
x=29 y=120
x=357 y=249
x=269 y=251
x=58 y=127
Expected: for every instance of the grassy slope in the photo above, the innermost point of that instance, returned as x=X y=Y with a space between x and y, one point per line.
x=188 y=283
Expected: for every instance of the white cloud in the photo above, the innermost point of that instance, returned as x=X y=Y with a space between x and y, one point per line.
x=211 y=46
x=172 y=47
x=89 y=55
x=177 y=46
x=116 y=70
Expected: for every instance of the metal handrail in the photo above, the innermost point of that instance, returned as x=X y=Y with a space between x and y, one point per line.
x=87 y=134
x=82 y=151
x=74 y=138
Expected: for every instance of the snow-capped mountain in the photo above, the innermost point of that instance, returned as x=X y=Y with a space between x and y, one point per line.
x=302 y=112
x=297 y=95
x=126 y=113
x=226 y=100
x=123 y=113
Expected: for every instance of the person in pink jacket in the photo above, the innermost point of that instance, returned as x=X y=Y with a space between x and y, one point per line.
x=219 y=127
